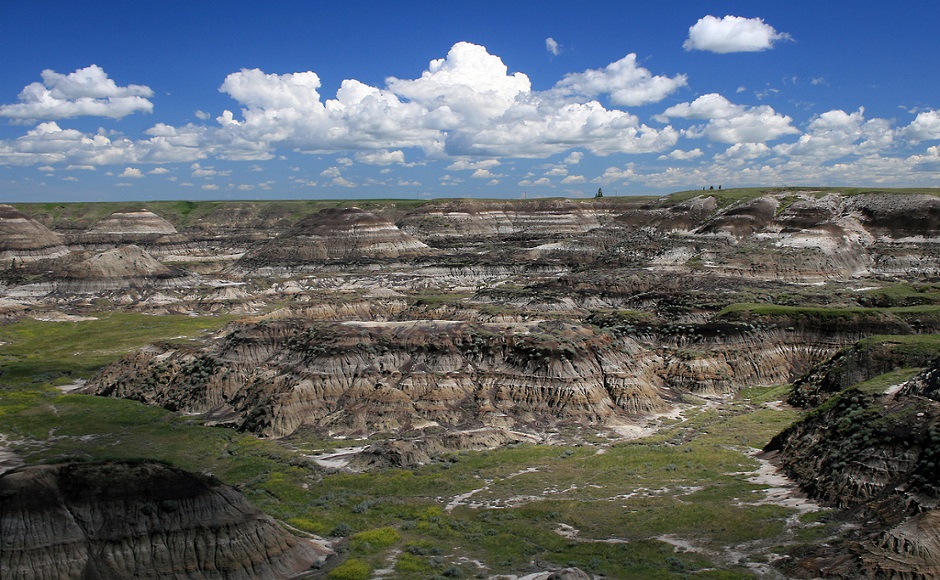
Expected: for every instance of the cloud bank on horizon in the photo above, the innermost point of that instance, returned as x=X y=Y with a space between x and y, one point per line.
x=479 y=123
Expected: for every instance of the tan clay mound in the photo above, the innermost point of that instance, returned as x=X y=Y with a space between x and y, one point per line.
x=338 y=234
x=26 y=240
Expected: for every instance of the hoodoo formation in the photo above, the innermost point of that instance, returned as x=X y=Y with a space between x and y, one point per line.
x=414 y=332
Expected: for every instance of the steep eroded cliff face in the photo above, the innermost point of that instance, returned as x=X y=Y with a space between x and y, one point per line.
x=874 y=448
x=138 y=520
x=440 y=223
x=275 y=376
x=860 y=362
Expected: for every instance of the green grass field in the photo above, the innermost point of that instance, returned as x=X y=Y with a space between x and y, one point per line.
x=727 y=197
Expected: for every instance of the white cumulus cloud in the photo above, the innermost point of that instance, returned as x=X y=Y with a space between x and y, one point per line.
x=614 y=174
x=627 y=83
x=466 y=165
x=732 y=34
x=465 y=105
x=86 y=92
x=745 y=151
x=574 y=158
x=483 y=174
x=837 y=134
x=544 y=130
x=680 y=155
x=382 y=157
x=924 y=127
x=470 y=83
x=208 y=172
x=731 y=123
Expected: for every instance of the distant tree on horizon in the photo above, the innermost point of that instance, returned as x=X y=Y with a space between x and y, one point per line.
x=600 y=192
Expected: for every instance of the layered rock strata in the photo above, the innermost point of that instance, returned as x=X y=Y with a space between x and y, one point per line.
x=414 y=452
x=474 y=219
x=349 y=234
x=124 y=267
x=25 y=240
x=874 y=448
x=860 y=362
x=123 y=227
x=276 y=376
x=138 y=520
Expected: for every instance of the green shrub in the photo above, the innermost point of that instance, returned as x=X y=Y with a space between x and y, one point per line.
x=375 y=539
x=351 y=569
x=411 y=564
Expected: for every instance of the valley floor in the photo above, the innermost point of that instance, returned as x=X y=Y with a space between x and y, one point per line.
x=684 y=494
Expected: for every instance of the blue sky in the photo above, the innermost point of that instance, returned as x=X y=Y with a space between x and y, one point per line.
x=252 y=100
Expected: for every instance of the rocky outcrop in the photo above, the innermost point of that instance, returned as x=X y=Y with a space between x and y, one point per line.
x=138 y=520
x=864 y=360
x=898 y=216
x=276 y=376
x=684 y=216
x=349 y=234
x=910 y=550
x=851 y=450
x=791 y=236
x=743 y=220
x=283 y=373
x=24 y=240
x=874 y=448
x=138 y=227
x=474 y=219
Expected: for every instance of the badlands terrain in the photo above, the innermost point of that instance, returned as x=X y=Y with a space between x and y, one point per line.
x=717 y=384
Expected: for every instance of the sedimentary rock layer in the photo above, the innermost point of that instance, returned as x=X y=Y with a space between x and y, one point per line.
x=276 y=376
x=472 y=219
x=26 y=240
x=282 y=373
x=138 y=520
x=337 y=234
x=122 y=225
x=876 y=449
x=124 y=267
